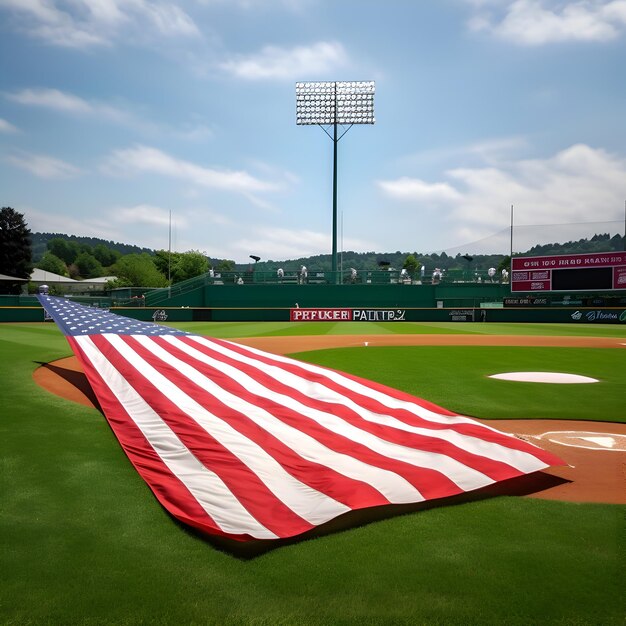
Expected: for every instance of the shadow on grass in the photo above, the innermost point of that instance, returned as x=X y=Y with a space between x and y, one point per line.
x=76 y=379
x=519 y=486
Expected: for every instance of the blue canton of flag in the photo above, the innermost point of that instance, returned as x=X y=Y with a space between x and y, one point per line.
x=76 y=319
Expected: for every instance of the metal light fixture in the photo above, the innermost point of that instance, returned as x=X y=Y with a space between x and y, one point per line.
x=347 y=102
x=343 y=103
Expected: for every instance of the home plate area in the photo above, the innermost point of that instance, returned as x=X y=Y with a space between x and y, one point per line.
x=589 y=440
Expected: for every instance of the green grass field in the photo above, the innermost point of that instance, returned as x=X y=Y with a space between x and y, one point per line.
x=85 y=542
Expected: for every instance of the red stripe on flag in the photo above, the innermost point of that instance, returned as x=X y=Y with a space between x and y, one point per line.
x=431 y=482
x=255 y=496
x=322 y=375
x=353 y=493
x=168 y=489
x=494 y=469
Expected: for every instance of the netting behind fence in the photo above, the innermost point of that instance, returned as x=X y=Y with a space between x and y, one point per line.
x=538 y=239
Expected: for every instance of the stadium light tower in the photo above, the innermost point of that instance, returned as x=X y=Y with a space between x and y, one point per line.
x=332 y=104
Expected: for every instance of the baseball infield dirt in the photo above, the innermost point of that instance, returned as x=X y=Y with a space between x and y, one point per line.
x=594 y=451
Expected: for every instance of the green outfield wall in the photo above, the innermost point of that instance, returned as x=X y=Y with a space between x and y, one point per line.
x=408 y=302
x=286 y=296
x=604 y=315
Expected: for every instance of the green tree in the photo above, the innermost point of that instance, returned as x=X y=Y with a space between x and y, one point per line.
x=15 y=250
x=505 y=264
x=189 y=265
x=105 y=256
x=225 y=266
x=88 y=265
x=66 y=250
x=139 y=270
x=617 y=242
x=73 y=271
x=410 y=264
x=117 y=283
x=51 y=263
x=165 y=261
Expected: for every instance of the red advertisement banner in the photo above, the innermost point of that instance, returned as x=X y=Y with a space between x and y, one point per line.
x=569 y=272
x=619 y=277
x=532 y=285
x=597 y=259
x=321 y=315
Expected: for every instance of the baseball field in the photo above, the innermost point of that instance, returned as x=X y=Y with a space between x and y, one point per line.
x=84 y=541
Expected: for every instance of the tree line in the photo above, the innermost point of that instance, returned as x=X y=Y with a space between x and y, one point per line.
x=83 y=258
x=158 y=268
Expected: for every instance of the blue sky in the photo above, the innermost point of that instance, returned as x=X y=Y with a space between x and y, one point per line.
x=114 y=113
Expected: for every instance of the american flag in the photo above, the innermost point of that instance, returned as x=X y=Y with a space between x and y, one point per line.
x=249 y=445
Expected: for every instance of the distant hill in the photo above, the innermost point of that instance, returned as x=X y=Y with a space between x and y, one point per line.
x=40 y=244
x=371 y=260
x=363 y=260
x=598 y=243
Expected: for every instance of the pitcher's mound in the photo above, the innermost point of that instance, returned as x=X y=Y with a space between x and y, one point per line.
x=545 y=377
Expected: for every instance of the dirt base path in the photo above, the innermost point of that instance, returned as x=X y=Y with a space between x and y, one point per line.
x=595 y=451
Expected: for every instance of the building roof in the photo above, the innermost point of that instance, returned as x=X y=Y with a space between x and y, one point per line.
x=41 y=276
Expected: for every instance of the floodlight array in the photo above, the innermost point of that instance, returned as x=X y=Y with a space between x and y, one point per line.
x=345 y=102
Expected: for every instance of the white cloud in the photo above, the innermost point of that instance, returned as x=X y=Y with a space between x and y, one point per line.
x=416 y=190
x=52 y=99
x=7 y=127
x=284 y=64
x=145 y=214
x=70 y=104
x=284 y=243
x=538 y=22
x=577 y=185
x=86 y=23
x=292 y=5
x=51 y=222
x=198 y=132
x=144 y=159
x=487 y=151
x=44 y=166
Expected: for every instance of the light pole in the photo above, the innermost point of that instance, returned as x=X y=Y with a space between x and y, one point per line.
x=332 y=104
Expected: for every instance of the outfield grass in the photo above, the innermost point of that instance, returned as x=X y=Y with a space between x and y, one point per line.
x=262 y=329
x=458 y=378
x=85 y=542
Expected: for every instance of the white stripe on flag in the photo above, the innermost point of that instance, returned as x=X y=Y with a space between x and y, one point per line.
x=462 y=475
x=518 y=459
x=205 y=486
x=352 y=385
x=394 y=487
x=311 y=505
